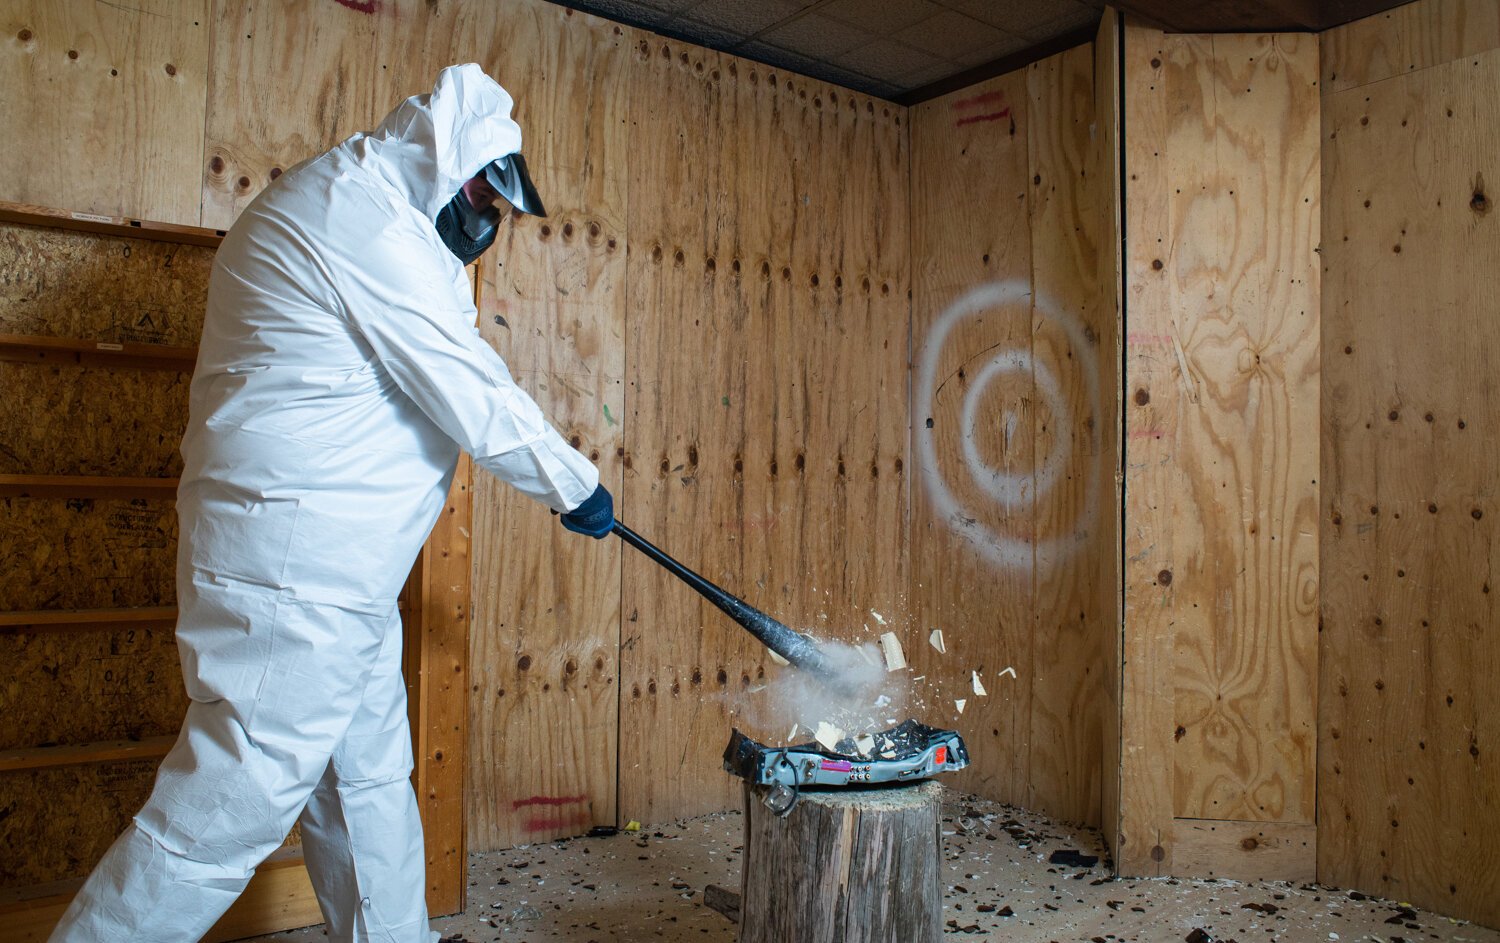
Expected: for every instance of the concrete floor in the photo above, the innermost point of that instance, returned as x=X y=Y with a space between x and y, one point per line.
x=649 y=886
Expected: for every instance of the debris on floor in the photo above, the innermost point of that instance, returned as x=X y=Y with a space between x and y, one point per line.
x=1008 y=875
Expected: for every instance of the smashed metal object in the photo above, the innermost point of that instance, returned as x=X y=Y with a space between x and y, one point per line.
x=906 y=752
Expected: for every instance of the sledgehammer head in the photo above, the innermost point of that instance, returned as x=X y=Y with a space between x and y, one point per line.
x=804 y=653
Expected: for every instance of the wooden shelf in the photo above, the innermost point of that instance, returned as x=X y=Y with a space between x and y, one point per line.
x=33 y=215
x=149 y=748
x=280 y=895
x=86 y=486
x=39 y=618
x=33 y=348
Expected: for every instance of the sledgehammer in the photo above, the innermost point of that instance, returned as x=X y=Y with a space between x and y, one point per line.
x=795 y=647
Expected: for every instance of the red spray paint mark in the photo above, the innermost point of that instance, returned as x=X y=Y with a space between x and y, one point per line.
x=984 y=99
x=360 y=6
x=548 y=800
x=992 y=116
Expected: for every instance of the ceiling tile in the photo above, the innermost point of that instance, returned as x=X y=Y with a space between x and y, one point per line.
x=706 y=34
x=980 y=55
x=952 y=35
x=881 y=16
x=817 y=37
x=1078 y=19
x=1025 y=17
x=629 y=11
x=741 y=17
x=926 y=76
x=886 y=59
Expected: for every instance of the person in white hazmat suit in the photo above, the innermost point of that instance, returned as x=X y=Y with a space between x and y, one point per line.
x=340 y=373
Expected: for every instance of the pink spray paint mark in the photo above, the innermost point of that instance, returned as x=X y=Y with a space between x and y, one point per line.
x=548 y=800
x=552 y=823
x=992 y=116
x=360 y=6
x=984 y=99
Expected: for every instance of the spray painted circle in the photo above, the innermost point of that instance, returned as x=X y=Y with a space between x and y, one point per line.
x=1002 y=487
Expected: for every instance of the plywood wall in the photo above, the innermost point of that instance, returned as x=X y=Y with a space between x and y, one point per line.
x=1409 y=795
x=545 y=645
x=112 y=107
x=1221 y=457
x=1013 y=426
x=717 y=312
x=765 y=420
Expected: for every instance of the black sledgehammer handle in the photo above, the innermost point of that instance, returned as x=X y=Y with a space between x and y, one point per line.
x=794 y=647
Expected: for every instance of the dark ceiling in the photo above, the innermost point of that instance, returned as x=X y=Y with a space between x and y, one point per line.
x=911 y=50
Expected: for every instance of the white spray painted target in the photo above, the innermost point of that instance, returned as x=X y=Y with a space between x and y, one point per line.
x=1004 y=488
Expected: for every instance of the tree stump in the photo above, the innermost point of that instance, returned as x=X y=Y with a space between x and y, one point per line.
x=846 y=866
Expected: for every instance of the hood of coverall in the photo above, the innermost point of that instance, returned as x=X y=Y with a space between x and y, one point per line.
x=432 y=144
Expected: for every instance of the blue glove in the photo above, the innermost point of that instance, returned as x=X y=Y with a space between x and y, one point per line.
x=595 y=516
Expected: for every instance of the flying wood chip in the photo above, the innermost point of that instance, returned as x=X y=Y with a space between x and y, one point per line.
x=895 y=656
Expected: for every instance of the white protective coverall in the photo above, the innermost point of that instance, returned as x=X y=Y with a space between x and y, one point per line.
x=340 y=372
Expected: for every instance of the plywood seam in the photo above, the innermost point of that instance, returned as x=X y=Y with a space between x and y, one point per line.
x=1117 y=637
x=1326 y=92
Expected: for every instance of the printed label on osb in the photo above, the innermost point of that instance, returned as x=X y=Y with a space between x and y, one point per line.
x=139 y=525
x=149 y=326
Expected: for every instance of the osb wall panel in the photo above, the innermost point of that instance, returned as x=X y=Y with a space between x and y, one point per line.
x=113 y=105
x=61 y=283
x=77 y=685
x=1221 y=575
x=91 y=421
x=66 y=817
x=1409 y=793
x=86 y=554
x=765 y=366
x=544 y=645
x=1014 y=334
